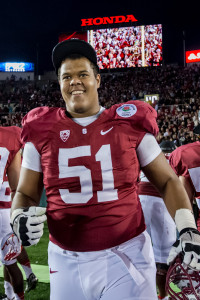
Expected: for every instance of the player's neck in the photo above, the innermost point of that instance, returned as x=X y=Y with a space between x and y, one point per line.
x=88 y=120
x=74 y=115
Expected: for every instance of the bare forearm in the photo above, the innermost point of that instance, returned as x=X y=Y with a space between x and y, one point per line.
x=21 y=200
x=175 y=196
x=29 y=189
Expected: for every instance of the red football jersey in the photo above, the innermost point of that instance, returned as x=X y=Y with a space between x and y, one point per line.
x=185 y=160
x=90 y=173
x=145 y=187
x=10 y=144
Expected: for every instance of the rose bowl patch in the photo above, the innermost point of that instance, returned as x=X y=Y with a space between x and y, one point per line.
x=126 y=110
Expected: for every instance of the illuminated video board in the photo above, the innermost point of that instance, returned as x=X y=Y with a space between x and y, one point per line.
x=124 y=47
x=16 y=67
x=192 y=56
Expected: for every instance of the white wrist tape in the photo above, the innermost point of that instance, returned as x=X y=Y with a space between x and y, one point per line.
x=184 y=218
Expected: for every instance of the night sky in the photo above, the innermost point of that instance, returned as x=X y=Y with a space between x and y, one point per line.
x=29 y=30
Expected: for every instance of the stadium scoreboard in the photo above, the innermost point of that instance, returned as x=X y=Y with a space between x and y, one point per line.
x=152 y=99
x=119 y=44
x=16 y=67
x=192 y=56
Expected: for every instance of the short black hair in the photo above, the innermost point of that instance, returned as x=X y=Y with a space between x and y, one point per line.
x=73 y=46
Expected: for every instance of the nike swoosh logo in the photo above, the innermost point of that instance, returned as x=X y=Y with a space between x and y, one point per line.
x=51 y=272
x=104 y=132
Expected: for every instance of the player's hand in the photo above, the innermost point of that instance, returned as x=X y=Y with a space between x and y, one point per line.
x=28 y=223
x=12 y=247
x=189 y=244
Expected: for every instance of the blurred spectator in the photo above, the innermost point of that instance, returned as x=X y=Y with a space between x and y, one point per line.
x=178 y=88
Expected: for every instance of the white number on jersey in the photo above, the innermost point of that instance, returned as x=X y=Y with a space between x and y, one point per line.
x=104 y=156
x=4 y=153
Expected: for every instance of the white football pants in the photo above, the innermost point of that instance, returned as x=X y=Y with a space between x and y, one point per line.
x=160 y=226
x=124 y=272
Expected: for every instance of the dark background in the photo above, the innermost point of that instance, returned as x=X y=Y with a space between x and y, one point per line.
x=29 y=30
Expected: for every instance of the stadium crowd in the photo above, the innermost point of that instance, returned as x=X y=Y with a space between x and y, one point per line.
x=178 y=110
x=121 y=47
x=178 y=107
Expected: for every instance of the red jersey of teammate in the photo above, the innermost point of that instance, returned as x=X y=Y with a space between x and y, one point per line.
x=90 y=173
x=10 y=144
x=185 y=161
x=147 y=188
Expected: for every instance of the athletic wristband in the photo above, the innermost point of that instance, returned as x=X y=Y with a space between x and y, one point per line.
x=184 y=218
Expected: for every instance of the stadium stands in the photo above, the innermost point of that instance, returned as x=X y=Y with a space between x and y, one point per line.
x=178 y=88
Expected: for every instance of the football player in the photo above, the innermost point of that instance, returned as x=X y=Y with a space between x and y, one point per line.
x=89 y=159
x=10 y=163
x=185 y=161
x=160 y=225
x=10 y=143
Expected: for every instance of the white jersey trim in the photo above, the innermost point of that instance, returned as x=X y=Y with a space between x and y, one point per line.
x=88 y=120
x=31 y=158
x=147 y=150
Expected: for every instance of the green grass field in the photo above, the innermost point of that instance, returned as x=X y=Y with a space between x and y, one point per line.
x=38 y=259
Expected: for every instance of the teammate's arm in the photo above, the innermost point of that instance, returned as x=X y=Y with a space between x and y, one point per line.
x=168 y=184
x=178 y=204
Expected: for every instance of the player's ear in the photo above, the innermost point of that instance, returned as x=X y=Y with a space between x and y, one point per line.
x=98 y=79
